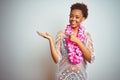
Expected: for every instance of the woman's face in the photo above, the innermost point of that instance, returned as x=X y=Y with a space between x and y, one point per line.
x=75 y=18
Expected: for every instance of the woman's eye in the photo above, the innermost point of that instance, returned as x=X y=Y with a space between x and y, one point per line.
x=77 y=17
x=71 y=16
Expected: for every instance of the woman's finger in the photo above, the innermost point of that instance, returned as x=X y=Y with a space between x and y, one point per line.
x=38 y=33
x=41 y=34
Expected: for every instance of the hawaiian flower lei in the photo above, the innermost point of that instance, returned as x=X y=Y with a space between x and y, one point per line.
x=74 y=52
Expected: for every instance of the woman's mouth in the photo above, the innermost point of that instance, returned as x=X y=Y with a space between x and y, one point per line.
x=73 y=23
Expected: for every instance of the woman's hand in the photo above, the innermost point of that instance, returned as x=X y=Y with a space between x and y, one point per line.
x=73 y=38
x=46 y=35
x=52 y=46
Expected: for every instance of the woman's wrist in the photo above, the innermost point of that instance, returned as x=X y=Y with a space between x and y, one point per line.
x=50 y=39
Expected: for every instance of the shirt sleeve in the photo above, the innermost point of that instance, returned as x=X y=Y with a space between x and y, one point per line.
x=89 y=45
x=58 y=45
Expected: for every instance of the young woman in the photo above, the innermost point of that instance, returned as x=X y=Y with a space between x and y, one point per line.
x=73 y=47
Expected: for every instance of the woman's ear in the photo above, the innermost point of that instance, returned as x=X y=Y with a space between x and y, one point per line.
x=83 y=19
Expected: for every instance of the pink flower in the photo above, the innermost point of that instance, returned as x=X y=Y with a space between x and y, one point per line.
x=74 y=53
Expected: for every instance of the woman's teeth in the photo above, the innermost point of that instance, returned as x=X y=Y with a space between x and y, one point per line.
x=73 y=22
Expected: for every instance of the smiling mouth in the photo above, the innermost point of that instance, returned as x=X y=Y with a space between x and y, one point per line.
x=73 y=23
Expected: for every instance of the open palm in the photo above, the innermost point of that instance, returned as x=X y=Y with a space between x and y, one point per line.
x=46 y=35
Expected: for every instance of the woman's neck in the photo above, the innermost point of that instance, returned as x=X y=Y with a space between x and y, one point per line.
x=76 y=30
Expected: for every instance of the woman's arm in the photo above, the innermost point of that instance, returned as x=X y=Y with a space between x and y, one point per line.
x=52 y=46
x=85 y=50
x=53 y=51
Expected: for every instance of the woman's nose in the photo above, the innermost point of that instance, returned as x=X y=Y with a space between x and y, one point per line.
x=73 y=18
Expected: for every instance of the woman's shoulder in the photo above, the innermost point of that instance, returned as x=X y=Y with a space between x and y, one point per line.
x=61 y=32
x=87 y=34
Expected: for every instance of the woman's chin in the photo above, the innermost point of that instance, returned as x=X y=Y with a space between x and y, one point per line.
x=72 y=26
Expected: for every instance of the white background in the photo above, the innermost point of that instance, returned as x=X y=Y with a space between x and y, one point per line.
x=26 y=56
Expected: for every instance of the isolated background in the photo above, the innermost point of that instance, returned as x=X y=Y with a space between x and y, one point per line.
x=26 y=56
